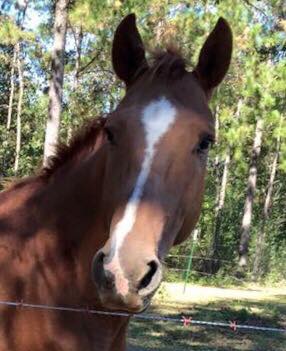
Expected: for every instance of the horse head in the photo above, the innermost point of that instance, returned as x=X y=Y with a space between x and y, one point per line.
x=157 y=143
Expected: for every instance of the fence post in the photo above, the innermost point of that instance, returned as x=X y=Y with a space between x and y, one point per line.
x=189 y=267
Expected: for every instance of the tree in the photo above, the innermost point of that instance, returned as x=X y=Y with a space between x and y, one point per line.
x=214 y=252
x=250 y=193
x=12 y=87
x=260 y=239
x=17 y=54
x=57 y=77
x=19 y=107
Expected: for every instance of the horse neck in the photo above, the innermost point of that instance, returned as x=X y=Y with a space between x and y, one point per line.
x=73 y=201
x=58 y=230
x=58 y=226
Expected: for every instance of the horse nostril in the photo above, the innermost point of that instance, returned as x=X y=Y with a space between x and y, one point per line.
x=100 y=257
x=101 y=277
x=146 y=280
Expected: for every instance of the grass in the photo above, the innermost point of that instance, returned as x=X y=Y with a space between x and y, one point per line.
x=255 y=305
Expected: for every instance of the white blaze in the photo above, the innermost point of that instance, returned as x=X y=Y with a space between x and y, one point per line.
x=157 y=118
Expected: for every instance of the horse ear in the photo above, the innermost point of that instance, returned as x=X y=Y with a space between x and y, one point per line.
x=128 y=53
x=215 y=57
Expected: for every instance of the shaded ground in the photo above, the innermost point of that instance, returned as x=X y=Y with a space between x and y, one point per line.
x=255 y=306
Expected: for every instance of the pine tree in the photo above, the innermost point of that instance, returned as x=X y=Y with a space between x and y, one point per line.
x=57 y=77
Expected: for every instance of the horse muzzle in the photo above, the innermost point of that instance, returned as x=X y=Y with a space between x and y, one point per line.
x=121 y=291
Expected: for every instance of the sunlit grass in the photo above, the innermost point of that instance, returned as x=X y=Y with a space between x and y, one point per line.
x=255 y=306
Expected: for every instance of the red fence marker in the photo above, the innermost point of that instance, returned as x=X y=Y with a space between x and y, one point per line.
x=233 y=325
x=186 y=321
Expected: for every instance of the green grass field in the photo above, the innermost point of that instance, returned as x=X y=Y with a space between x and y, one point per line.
x=252 y=305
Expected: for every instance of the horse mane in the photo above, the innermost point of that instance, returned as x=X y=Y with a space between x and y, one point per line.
x=83 y=141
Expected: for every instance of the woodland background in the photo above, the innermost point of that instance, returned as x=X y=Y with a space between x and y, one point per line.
x=242 y=229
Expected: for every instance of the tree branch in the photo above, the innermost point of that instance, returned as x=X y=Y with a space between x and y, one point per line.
x=255 y=7
x=88 y=64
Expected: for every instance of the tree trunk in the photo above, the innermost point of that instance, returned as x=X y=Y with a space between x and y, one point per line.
x=57 y=77
x=248 y=205
x=22 y=7
x=78 y=41
x=19 y=108
x=78 y=37
x=216 y=163
x=214 y=252
x=12 y=88
x=220 y=198
x=261 y=235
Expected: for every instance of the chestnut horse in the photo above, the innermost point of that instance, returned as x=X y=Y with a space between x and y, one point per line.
x=93 y=227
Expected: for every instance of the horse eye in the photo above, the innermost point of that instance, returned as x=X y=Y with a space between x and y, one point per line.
x=110 y=136
x=204 y=144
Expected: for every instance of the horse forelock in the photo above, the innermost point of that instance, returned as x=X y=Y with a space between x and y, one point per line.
x=168 y=62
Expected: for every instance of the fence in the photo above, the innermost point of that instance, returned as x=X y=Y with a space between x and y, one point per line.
x=184 y=320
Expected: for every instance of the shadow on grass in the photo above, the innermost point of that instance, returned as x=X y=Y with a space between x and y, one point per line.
x=167 y=336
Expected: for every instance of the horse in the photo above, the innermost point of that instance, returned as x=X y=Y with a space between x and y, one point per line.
x=92 y=228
